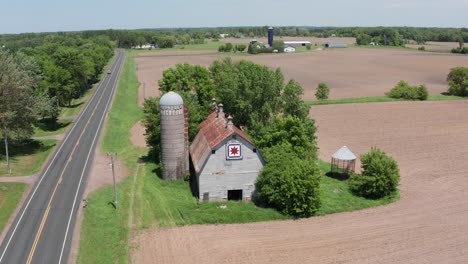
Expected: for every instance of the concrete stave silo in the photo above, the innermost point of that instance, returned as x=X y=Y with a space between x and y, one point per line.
x=173 y=145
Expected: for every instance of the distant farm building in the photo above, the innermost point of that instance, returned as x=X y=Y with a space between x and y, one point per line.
x=296 y=43
x=289 y=49
x=336 y=45
x=343 y=161
x=223 y=35
x=225 y=160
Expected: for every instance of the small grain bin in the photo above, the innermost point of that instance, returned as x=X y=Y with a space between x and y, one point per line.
x=173 y=145
x=343 y=161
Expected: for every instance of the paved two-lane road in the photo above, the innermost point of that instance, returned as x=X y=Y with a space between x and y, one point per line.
x=42 y=230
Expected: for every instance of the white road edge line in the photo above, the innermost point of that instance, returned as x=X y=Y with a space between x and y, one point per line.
x=87 y=159
x=47 y=170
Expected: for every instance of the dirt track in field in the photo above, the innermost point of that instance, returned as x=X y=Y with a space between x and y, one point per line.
x=428 y=225
x=352 y=72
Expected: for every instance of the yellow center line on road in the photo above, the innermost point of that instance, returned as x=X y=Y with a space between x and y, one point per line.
x=46 y=214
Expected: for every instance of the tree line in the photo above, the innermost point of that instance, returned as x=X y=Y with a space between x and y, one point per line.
x=169 y=37
x=42 y=72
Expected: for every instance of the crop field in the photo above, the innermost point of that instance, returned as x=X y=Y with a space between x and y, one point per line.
x=427 y=225
x=350 y=73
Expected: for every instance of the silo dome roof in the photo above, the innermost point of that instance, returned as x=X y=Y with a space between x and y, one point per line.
x=171 y=98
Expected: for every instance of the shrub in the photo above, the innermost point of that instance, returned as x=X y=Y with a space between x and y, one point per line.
x=240 y=47
x=308 y=46
x=458 y=81
x=225 y=48
x=405 y=91
x=288 y=183
x=322 y=91
x=422 y=48
x=252 y=49
x=380 y=175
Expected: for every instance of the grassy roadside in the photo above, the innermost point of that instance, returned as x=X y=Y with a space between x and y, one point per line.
x=26 y=158
x=10 y=194
x=381 y=99
x=49 y=128
x=104 y=231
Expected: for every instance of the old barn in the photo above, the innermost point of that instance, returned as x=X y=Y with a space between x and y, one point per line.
x=225 y=160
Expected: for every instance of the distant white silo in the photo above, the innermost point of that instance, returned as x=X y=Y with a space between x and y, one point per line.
x=172 y=136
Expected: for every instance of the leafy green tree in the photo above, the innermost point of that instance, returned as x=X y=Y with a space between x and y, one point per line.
x=322 y=91
x=17 y=115
x=46 y=107
x=288 y=183
x=278 y=45
x=189 y=78
x=228 y=47
x=17 y=112
x=380 y=175
x=166 y=41
x=240 y=47
x=252 y=49
x=249 y=91
x=363 y=39
x=292 y=100
x=458 y=81
x=294 y=132
x=405 y=91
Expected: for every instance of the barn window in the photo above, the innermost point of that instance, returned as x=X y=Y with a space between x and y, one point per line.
x=234 y=195
x=213 y=151
x=254 y=150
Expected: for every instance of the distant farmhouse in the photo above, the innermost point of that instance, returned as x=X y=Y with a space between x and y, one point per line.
x=225 y=160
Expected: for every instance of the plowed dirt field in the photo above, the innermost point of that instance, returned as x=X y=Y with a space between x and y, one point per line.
x=428 y=225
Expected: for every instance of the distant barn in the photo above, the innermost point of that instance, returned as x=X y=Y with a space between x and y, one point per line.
x=336 y=45
x=225 y=160
x=296 y=43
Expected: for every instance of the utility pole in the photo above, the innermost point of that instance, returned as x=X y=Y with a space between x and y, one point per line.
x=7 y=156
x=113 y=176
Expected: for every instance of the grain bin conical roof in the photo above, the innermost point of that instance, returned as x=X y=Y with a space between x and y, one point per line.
x=344 y=154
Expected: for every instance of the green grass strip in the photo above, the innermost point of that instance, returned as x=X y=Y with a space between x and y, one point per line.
x=10 y=194
x=380 y=99
x=27 y=158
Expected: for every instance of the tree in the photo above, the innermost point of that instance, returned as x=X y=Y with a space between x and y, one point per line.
x=296 y=133
x=249 y=91
x=17 y=103
x=278 y=45
x=186 y=77
x=240 y=47
x=322 y=92
x=46 y=107
x=380 y=175
x=405 y=91
x=458 y=81
x=288 y=183
x=292 y=100
x=363 y=39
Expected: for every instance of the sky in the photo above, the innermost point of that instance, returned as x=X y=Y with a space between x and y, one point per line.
x=19 y=16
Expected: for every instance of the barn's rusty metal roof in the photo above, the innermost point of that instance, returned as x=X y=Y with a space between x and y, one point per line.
x=213 y=132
